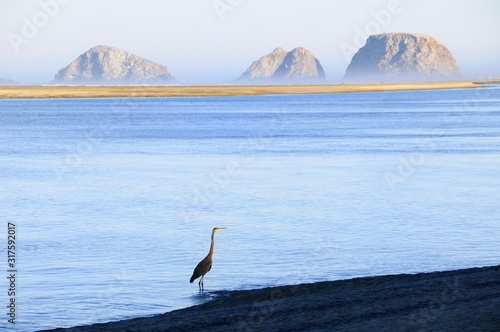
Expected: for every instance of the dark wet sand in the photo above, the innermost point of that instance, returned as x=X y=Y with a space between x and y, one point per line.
x=462 y=300
x=8 y=92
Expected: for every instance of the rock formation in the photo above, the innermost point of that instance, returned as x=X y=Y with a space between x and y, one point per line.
x=280 y=66
x=104 y=65
x=4 y=82
x=402 y=57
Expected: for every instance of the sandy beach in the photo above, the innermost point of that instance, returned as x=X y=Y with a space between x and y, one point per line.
x=461 y=300
x=9 y=92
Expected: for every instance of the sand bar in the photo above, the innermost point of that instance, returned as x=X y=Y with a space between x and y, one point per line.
x=12 y=92
x=461 y=300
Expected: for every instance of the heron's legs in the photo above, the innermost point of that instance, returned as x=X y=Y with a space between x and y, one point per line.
x=200 y=285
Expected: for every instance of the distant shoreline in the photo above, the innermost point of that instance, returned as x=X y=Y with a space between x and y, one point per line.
x=36 y=92
x=461 y=300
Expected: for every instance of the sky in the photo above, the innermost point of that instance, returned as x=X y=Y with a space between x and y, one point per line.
x=214 y=41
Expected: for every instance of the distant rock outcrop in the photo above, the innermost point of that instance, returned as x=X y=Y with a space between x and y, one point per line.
x=4 y=82
x=105 y=65
x=280 y=66
x=402 y=57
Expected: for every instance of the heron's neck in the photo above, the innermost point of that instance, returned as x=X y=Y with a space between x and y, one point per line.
x=211 y=252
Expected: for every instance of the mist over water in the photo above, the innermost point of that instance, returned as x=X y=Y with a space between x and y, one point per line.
x=114 y=200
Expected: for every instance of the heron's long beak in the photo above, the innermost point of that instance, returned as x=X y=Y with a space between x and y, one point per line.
x=221 y=228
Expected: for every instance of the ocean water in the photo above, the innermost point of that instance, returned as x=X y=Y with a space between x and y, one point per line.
x=114 y=200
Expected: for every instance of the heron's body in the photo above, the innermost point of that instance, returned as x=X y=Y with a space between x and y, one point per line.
x=206 y=264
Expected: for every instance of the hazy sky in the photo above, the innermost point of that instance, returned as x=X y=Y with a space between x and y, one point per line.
x=214 y=41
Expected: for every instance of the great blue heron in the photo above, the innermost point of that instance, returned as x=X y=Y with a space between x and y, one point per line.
x=206 y=264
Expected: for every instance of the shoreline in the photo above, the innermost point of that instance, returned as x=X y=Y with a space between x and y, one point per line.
x=41 y=92
x=459 y=300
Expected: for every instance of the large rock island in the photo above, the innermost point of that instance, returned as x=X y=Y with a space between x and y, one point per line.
x=4 y=82
x=397 y=57
x=105 y=65
x=280 y=66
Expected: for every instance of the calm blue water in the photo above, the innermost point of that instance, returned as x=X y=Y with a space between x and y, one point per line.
x=114 y=199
